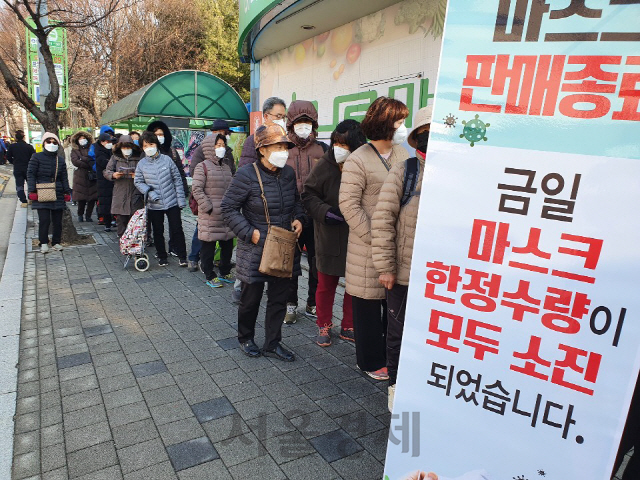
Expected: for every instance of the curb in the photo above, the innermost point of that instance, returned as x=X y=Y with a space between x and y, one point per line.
x=11 y=285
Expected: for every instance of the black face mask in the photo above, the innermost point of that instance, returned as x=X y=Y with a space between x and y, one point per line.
x=422 y=139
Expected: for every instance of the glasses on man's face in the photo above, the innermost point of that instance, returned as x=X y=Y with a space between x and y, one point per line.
x=279 y=116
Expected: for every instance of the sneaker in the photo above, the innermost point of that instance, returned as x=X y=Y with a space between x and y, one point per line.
x=215 y=283
x=74 y=204
x=291 y=316
x=347 y=334
x=113 y=223
x=200 y=266
x=24 y=204
x=88 y=219
x=381 y=374
x=227 y=278
x=324 y=336
x=193 y=266
x=182 y=262
x=391 y=397
x=310 y=311
x=58 y=247
x=80 y=218
x=163 y=262
x=107 y=229
x=44 y=248
x=172 y=253
x=235 y=295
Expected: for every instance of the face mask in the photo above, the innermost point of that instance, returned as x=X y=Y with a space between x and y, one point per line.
x=303 y=130
x=400 y=136
x=127 y=152
x=108 y=146
x=279 y=159
x=161 y=139
x=150 y=151
x=281 y=122
x=422 y=140
x=135 y=142
x=341 y=154
x=83 y=142
x=220 y=152
x=51 y=147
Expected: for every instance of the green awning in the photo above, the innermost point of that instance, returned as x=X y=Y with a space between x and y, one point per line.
x=187 y=94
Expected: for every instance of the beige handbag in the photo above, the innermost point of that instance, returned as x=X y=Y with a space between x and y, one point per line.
x=47 y=191
x=279 y=249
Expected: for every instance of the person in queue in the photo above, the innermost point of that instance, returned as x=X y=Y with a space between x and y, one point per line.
x=49 y=166
x=392 y=235
x=158 y=177
x=244 y=211
x=84 y=177
x=211 y=179
x=302 y=130
x=135 y=137
x=320 y=198
x=363 y=174
x=121 y=171
x=18 y=154
x=103 y=151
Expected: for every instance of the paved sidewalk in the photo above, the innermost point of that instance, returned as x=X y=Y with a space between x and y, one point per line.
x=136 y=375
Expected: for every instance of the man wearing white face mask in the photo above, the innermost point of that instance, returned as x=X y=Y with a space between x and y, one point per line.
x=274 y=110
x=302 y=128
x=103 y=151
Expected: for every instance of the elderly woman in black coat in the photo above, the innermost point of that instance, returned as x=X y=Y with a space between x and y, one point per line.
x=49 y=167
x=244 y=212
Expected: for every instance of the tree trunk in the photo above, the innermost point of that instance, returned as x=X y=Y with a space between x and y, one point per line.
x=70 y=235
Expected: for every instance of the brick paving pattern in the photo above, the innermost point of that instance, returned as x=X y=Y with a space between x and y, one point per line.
x=129 y=375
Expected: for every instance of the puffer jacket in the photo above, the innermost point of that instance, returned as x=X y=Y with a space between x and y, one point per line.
x=168 y=149
x=321 y=192
x=208 y=190
x=105 y=187
x=394 y=227
x=307 y=151
x=83 y=189
x=42 y=169
x=161 y=178
x=243 y=211
x=362 y=177
x=126 y=197
x=248 y=155
x=199 y=156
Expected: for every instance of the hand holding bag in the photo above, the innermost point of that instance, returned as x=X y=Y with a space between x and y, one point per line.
x=47 y=191
x=279 y=249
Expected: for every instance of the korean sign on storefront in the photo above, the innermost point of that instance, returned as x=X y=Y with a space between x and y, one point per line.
x=521 y=341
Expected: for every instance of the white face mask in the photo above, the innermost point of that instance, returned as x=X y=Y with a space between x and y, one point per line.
x=127 y=152
x=303 y=130
x=83 y=142
x=282 y=122
x=340 y=153
x=220 y=152
x=51 y=147
x=279 y=159
x=108 y=146
x=401 y=135
x=161 y=139
x=150 y=151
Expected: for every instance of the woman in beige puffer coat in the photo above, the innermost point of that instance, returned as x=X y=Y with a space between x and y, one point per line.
x=210 y=181
x=363 y=174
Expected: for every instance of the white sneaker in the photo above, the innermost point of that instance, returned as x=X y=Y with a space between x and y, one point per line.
x=392 y=394
x=291 y=316
x=44 y=248
x=58 y=247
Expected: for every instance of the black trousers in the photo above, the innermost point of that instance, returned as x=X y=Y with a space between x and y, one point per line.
x=156 y=217
x=276 y=308
x=46 y=217
x=207 y=254
x=107 y=219
x=370 y=330
x=20 y=178
x=88 y=204
x=306 y=239
x=396 y=308
x=631 y=439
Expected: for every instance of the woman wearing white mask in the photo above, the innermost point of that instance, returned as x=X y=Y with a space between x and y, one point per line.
x=362 y=178
x=48 y=166
x=244 y=211
x=158 y=178
x=320 y=198
x=121 y=170
x=84 y=178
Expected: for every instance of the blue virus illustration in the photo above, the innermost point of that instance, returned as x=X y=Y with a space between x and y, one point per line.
x=542 y=473
x=474 y=131
x=450 y=121
x=519 y=477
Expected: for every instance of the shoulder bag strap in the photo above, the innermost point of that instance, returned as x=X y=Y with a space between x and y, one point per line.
x=55 y=177
x=264 y=199
x=384 y=162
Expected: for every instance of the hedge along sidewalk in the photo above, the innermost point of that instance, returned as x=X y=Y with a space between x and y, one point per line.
x=11 y=285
